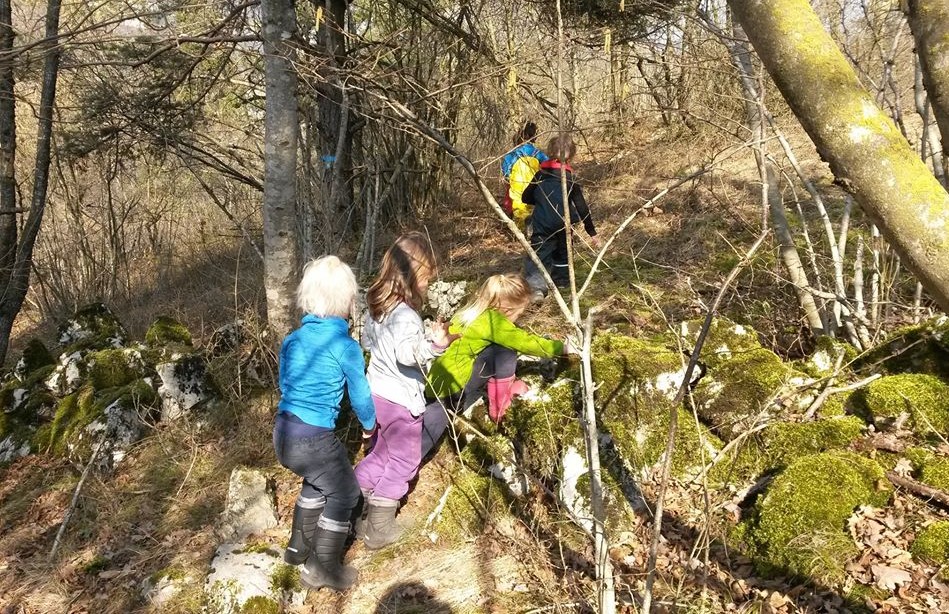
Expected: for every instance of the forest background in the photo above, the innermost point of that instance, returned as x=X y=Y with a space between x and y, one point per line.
x=182 y=158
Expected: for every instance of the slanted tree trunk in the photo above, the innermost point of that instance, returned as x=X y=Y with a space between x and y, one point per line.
x=865 y=150
x=929 y=22
x=281 y=132
x=17 y=282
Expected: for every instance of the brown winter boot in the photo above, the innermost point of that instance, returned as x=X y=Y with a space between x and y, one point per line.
x=324 y=567
x=306 y=513
x=381 y=528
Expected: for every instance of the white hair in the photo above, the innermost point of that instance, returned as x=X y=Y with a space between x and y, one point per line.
x=328 y=288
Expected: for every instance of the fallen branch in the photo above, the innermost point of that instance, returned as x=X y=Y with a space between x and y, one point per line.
x=923 y=491
x=75 y=498
x=834 y=390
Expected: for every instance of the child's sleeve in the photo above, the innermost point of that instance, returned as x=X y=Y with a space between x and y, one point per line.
x=412 y=348
x=502 y=331
x=583 y=210
x=528 y=194
x=354 y=371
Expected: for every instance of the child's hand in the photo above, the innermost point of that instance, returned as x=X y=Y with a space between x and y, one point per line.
x=595 y=242
x=571 y=345
x=440 y=335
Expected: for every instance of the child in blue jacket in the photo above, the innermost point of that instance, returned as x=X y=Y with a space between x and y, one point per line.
x=517 y=168
x=316 y=361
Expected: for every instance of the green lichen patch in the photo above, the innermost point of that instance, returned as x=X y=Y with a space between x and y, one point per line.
x=16 y=393
x=921 y=348
x=782 y=443
x=799 y=527
x=732 y=397
x=725 y=340
x=932 y=544
x=923 y=398
x=114 y=367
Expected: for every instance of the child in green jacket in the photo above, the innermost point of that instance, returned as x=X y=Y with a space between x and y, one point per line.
x=485 y=356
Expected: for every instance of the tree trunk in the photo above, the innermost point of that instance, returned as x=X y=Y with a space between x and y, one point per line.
x=8 y=218
x=865 y=150
x=334 y=125
x=929 y=22
x=281 y=132
x=14 y=291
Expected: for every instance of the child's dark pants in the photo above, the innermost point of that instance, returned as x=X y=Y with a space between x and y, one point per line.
x=552 y=251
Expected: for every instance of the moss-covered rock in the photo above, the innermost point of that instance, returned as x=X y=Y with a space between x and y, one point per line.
x=25 y=396
x=114 y=367
x=35 y=355
x=165 y=331
x=799 y=527
x=471 y=504
x=92 y=327
x=739 y=393
x=725 y=341
x=921 y=348
x=827 y=351
x=115 y=413
x=543 y=422
x=932 y=544
x=929 y=468
x=923 y=398
x=782 y=443
x=259 y=604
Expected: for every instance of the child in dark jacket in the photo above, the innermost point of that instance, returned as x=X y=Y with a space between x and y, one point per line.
x=549 y=237
x=517 y=168
x=316 y=361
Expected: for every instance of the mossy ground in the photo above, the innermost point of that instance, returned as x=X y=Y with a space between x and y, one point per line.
x=932 y=544
x=165 y=331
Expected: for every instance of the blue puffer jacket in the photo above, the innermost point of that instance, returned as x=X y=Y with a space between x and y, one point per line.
x=316 y=360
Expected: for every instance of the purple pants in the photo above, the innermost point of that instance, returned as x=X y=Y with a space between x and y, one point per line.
x=397 y=454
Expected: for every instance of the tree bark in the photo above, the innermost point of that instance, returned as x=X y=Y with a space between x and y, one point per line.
x=281 y=133
x=8 y=217
x=929 y=22
x=14 y=290
x=865 y=150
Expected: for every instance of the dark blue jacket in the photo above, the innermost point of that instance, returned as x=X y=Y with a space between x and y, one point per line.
x=545 y=192
x=315 y=361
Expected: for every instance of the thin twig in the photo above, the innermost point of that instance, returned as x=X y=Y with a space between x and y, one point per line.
x=75 y=497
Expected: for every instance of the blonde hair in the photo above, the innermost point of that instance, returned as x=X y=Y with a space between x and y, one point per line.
x=398 y=280
x=507 y=293
x=328 y=288
x=562 y=147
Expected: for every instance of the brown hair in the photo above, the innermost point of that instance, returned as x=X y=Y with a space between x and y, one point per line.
x=397 y=282
x=562 y=147
x=527 y=134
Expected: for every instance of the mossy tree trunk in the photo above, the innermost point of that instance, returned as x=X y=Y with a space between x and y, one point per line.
x=865 y=150
x=281 y=133
x=929 y=22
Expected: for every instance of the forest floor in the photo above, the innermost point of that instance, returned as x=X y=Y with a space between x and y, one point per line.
x=160 y=507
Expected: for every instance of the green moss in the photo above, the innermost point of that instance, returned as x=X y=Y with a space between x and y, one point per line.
x=29 y=386
x=784 y=442
x=932 y=544
x=544 y=423
x=259 y=548
x=827 y=351
x=923 y=397
x=731 y=397
x=167 y=331
x=174 y=572
x=800 y=525
x=725 y=340
x=260 y=605
x=929 y=468
x=921 y=348
x=472 y=502
x=97 y=564
x=285 y=578
x=92 y=327
x=114 y=367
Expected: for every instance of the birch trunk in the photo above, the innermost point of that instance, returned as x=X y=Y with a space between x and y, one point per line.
x=929 y=22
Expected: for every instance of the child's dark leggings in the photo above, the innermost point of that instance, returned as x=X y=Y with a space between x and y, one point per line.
x=321 y=460
x=493 y=361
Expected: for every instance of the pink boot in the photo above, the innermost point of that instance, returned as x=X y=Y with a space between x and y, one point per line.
x=500 y=393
